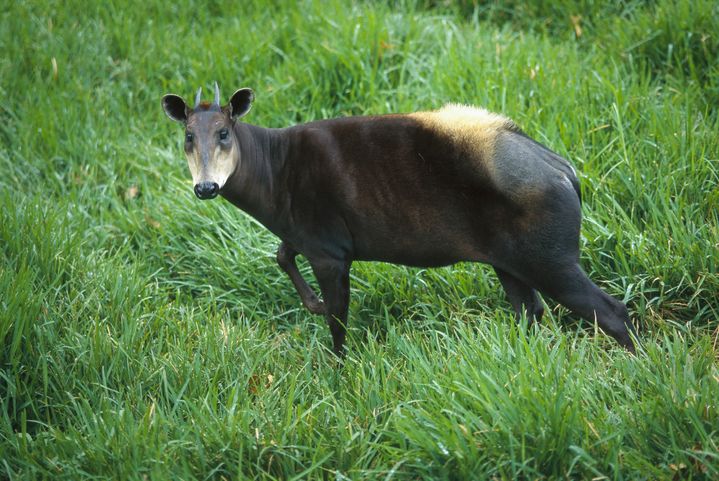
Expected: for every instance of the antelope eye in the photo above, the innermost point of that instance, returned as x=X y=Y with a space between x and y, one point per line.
x=224 y=134
x=189 y=137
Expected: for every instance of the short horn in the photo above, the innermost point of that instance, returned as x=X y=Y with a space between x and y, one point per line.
x=217 y=94
x=198 y=97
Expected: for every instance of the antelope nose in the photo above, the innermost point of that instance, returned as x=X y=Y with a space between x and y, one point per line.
x=207 y=190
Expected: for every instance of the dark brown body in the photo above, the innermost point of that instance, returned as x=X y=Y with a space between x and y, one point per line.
x=382 y=188
x=428 y=189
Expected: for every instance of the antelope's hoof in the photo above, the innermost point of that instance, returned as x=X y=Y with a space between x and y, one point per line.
x=315 y=306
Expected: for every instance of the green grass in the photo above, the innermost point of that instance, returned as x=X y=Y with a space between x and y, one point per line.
x=147 y=335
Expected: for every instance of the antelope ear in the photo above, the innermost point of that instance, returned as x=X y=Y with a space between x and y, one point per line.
x=240 y=103
x=175 y=107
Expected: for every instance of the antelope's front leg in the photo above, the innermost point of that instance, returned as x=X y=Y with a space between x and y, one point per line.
x=333 y=276
x=286 y=260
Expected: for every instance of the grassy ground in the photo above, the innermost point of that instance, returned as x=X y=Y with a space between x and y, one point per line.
x=147 y=335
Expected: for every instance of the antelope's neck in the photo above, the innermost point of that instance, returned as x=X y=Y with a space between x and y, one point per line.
x=253 y=185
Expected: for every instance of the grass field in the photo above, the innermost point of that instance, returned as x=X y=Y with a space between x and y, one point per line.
x=147 y=335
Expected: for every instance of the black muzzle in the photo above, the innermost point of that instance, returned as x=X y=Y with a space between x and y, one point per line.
x=207 y=190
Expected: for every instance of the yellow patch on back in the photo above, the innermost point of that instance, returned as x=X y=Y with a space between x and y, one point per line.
x=472 y=128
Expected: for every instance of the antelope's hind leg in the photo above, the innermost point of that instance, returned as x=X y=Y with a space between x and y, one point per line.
x=571 y=287
x=524 y=299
